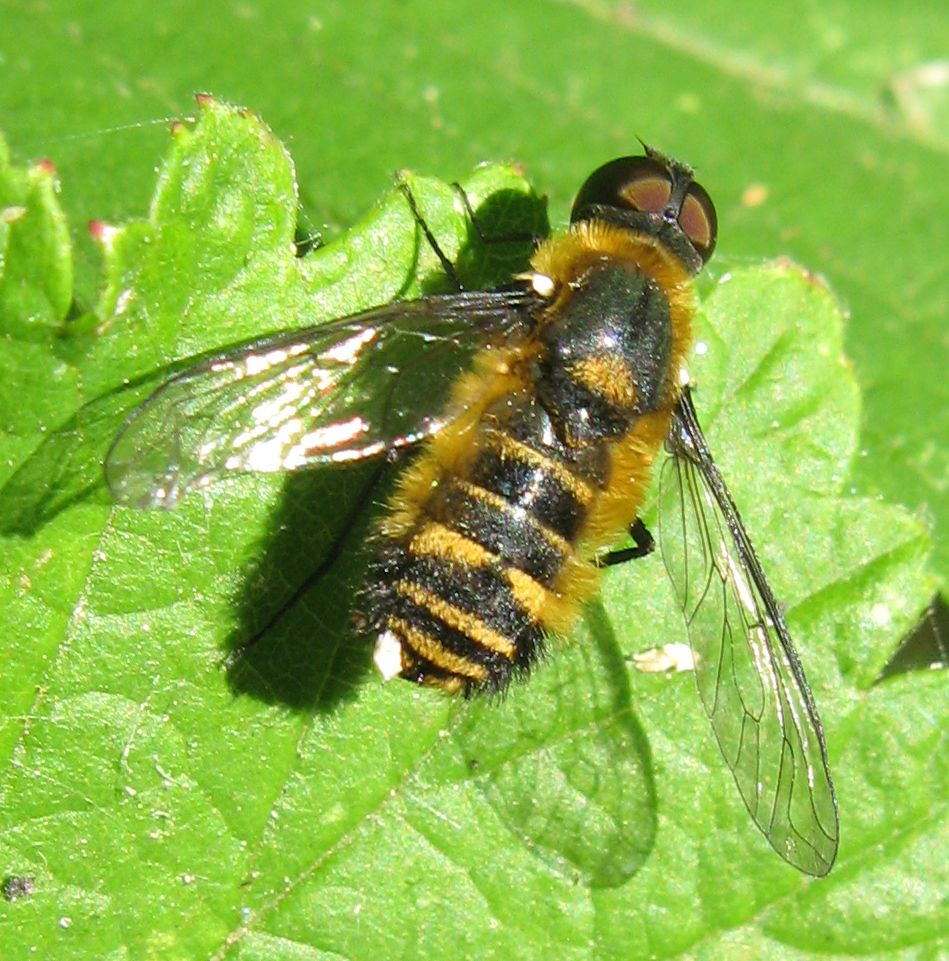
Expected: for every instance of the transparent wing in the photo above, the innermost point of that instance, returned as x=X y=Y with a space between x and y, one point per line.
x=749 y=676
x=349 y=389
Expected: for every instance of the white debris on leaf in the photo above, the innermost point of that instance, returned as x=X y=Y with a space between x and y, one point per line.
x=676 y=658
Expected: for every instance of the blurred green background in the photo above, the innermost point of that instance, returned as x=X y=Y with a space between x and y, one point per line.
x=821 y=130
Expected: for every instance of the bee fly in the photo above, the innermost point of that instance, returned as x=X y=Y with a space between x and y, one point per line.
x=564 y=386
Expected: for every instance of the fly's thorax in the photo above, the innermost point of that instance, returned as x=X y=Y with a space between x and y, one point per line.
x=607 y=350
x=614 y=334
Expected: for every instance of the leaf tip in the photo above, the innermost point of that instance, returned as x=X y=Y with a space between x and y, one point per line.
x=102 y=232
x=810 y=277
x=45 y=168
x=208 y=103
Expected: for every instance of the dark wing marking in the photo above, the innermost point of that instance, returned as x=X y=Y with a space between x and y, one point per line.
x=349 y=389
x=749 y=676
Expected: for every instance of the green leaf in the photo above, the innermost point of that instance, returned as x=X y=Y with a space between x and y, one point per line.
x=292 y=805
x=35 y=261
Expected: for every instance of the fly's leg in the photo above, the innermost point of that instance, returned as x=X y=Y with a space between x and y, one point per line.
x=644 y=541
x=447 y=265
x=450 y=269
x=534 y=240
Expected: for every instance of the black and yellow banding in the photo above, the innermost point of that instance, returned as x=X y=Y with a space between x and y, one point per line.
x=491 y=534
x=476 y=565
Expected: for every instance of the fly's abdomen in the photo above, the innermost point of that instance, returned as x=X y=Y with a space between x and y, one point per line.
x=468 y=582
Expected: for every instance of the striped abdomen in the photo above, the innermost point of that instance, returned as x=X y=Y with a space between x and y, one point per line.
x=462 y=595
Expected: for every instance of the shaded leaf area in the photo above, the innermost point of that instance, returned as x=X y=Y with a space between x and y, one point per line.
x=926 y=645
x=290 y=805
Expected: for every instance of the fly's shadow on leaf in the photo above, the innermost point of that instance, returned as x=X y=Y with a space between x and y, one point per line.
x=66 y=467
x=296 y=643
x=567 y=766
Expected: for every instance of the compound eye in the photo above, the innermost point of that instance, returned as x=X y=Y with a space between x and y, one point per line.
x=698 y=220
x=648 y=188
x=637 y=183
